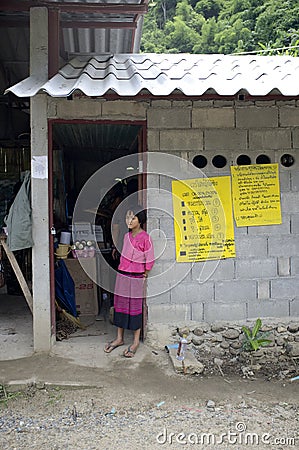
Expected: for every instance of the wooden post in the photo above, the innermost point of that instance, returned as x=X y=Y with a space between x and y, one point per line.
x=18 y=273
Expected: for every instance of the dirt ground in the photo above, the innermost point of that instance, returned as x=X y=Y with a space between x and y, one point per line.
x=149 y=406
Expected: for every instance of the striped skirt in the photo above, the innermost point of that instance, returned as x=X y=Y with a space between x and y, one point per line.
x=128 y=299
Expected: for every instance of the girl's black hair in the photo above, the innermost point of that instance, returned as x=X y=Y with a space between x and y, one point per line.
x=141 y=216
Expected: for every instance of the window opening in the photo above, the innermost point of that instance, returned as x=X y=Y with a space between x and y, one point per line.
x=200 y=161
x=287 y=160
x=243 y=160
x=263 y=159
x=219 y=161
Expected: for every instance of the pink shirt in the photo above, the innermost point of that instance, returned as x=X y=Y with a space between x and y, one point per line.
x=137 y=253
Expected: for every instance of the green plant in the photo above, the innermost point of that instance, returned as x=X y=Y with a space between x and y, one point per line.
x=254 y=339
x=5 y=395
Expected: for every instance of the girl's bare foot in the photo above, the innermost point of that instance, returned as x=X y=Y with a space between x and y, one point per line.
x=130 y=351
x=110 y=346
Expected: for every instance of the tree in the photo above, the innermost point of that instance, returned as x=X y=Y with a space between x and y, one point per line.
x=208 y=8
x=221 y=26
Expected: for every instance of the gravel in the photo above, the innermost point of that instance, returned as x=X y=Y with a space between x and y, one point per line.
x=256 y=414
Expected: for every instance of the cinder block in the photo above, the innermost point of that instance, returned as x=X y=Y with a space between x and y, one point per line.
x=269 y=139
x=162 y=104
x=79 y=108
x=213 y=118
x=284 y=181
x=192 y=292
x=181 y=140
x=162 y=298
x=224 y=103
x=169 y=313
x=214 y=270
x=164 y=249
x=197 y=311
x=294 y=307
x=241 y=104
x=177 y=274
x=278 y=155
x=295 y=136
x=263 y=289
x=225 y=139
x=256 y=268
x=251 y=246
x=125 y=109
x=288 y=117
x=153 y=140
x=295 y=224
x=266 y=103
x=257 y=117
x=283 y=265
x=281 y=246
x=287 y=288
x=235 y=291
x=169 y=118
x=240 y=232
x=294 y=180
x=152 y=224
x=181 y=103
x=210 y=170
x=290 y=202
x=171 y=273
x=224 y=311
x=165 y=183
x=161 y=201
x=153 y=182
x=294 y=265
x=167 y=227
x=286 y=102
x=171 y=165
x=268 y=308
x=203 y=104
x=272 y=230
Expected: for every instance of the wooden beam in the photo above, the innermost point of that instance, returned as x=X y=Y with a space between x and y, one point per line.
x=96 y=24
x=100 y=8
x=20 y=277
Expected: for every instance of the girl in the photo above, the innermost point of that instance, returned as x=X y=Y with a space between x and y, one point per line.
x=136 y=260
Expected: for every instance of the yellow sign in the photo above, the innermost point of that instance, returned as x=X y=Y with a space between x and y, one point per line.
x=203 y=221
x=256 y=194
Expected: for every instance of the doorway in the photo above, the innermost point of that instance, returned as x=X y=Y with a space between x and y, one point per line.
x=83 y=150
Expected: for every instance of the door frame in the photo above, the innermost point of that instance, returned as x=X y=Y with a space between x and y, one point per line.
x=142 y=183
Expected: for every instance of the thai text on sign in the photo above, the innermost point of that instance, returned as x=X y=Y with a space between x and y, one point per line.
x=256 y=194
x=203 y=222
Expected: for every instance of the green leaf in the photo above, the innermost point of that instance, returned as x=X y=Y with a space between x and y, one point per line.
x=246 y=331
x=264 y=342
x=256 y=327
x=255 y=345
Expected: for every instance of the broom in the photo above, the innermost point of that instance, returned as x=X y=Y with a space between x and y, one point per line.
x=70 y=317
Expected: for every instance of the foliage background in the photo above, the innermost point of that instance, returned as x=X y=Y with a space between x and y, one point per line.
x=221 y=26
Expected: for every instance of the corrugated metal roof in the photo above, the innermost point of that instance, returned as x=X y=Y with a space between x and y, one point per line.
x=164 y=74
x=87 y=26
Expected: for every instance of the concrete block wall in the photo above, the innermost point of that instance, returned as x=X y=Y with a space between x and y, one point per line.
x=263 y=279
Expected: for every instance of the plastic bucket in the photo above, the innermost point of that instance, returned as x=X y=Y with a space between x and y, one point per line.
x=62 y=251
x=65 y=237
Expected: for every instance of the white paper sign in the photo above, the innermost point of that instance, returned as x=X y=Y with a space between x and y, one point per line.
x=39 y=167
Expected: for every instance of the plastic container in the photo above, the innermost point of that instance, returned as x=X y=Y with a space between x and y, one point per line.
x=182 y=348
x=65 y=237
x=90 y=253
